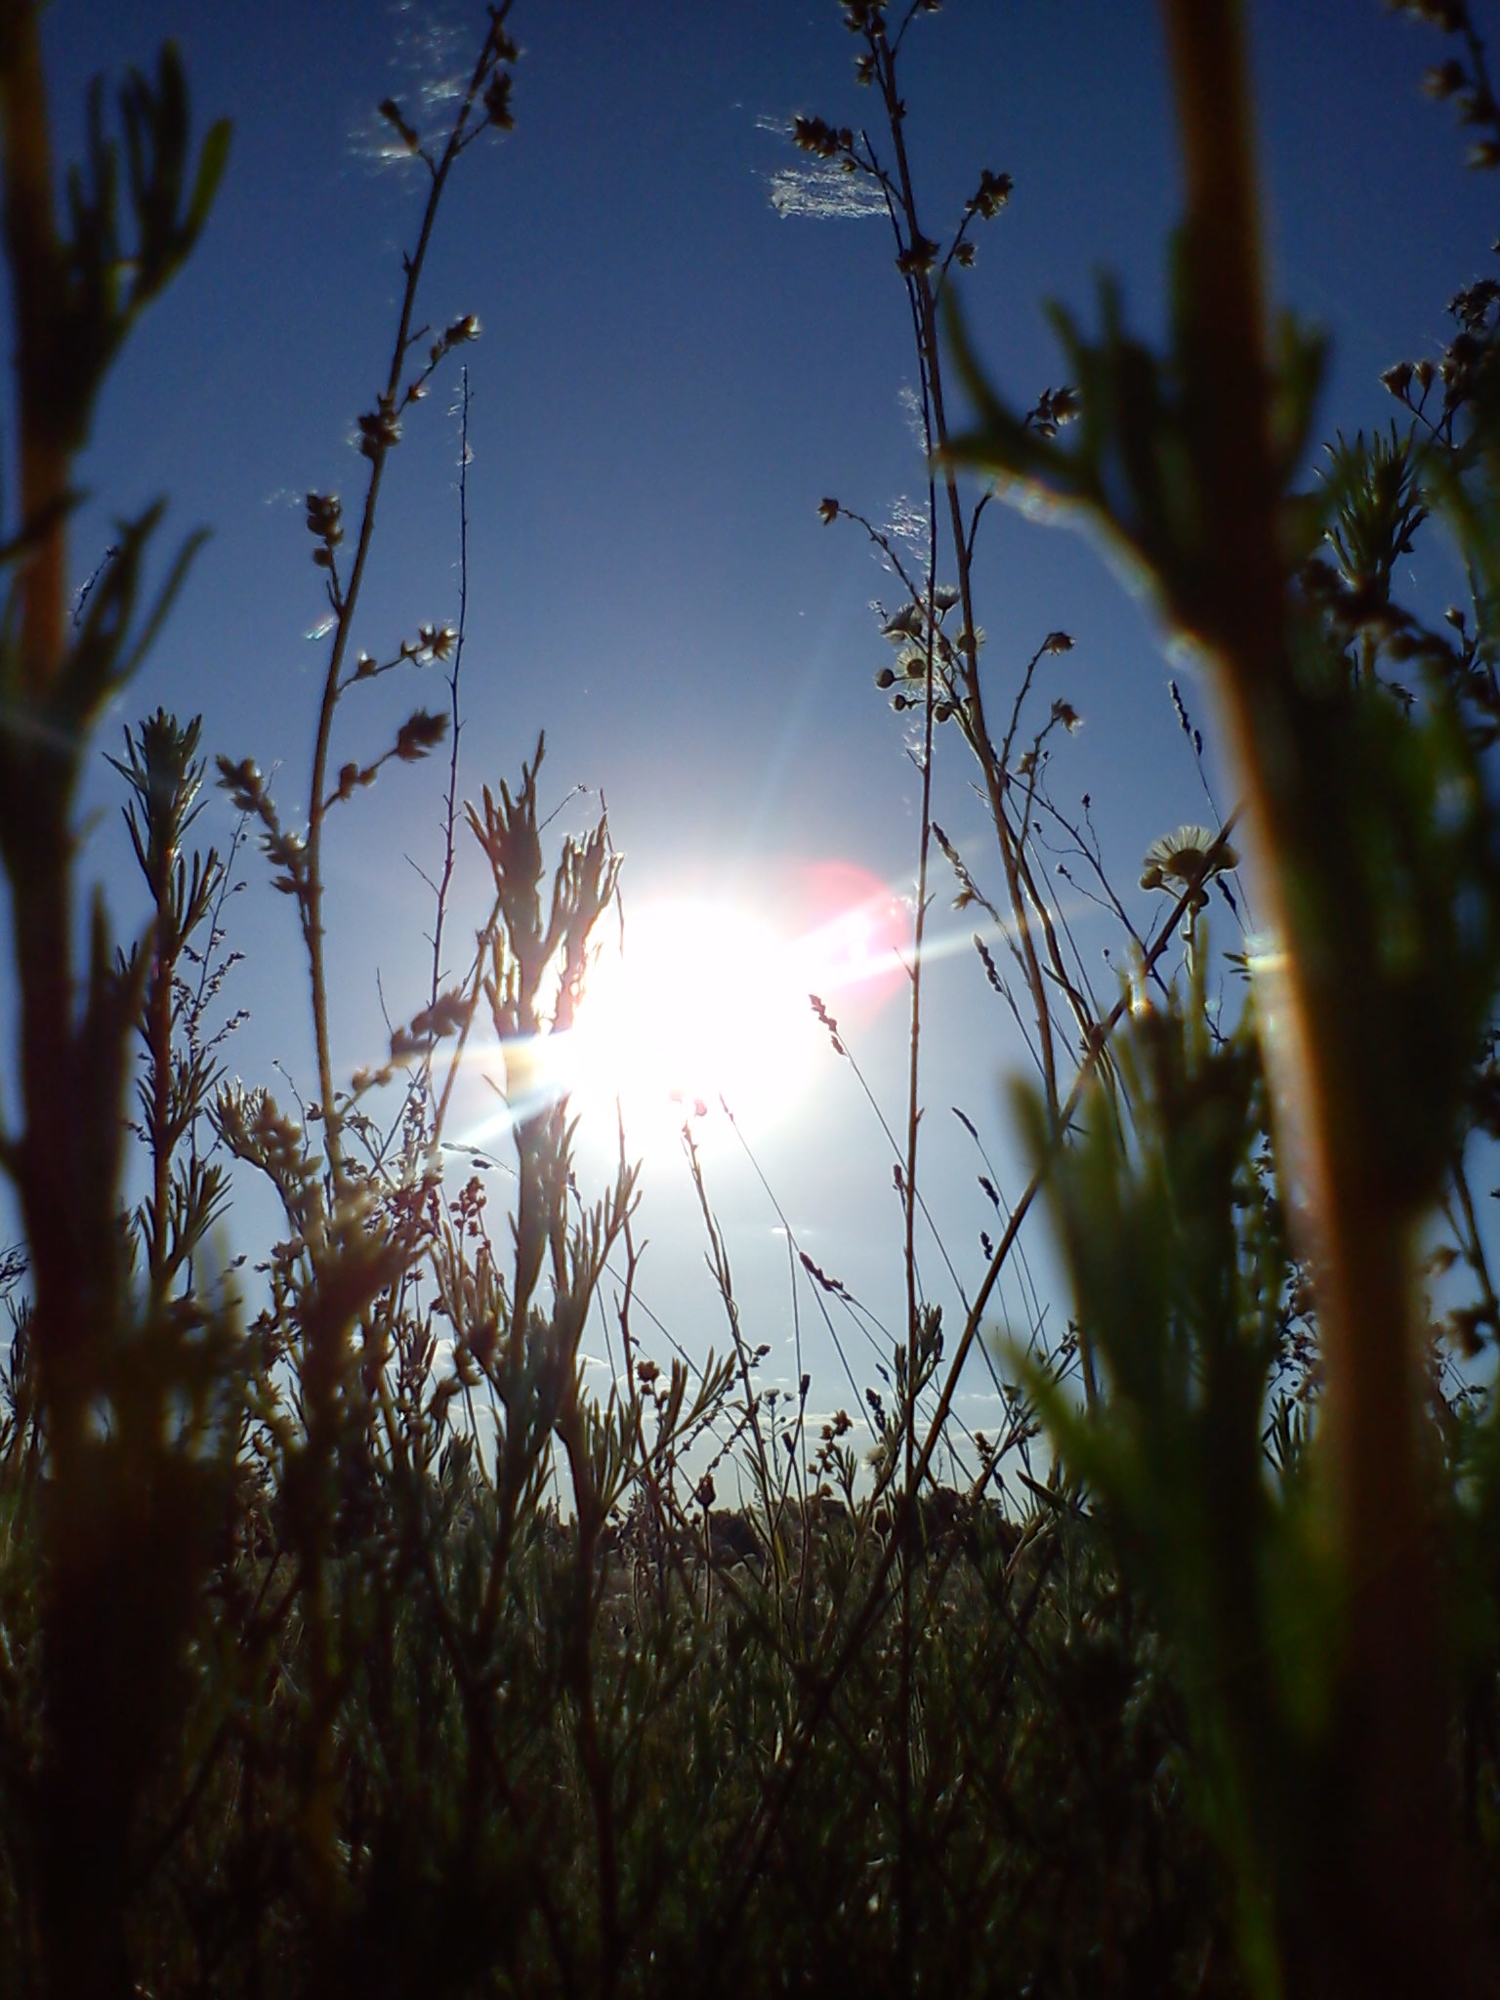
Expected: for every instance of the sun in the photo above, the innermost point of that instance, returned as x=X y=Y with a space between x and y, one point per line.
x=709 y=1012
x=698 y=1009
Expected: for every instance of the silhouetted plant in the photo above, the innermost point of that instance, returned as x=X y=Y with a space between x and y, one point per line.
x=1378 y=843
x=358 y=1648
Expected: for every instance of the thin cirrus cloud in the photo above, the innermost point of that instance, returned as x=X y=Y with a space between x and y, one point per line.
x=824 y=193
x=819 y=190
x=431 y=58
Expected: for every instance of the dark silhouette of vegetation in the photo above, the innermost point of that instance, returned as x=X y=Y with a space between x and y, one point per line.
x=347 y=1645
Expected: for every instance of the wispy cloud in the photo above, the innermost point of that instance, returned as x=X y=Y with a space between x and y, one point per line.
x=819 y=189
x=823 y=193
x=429 y=63
x=907 y=521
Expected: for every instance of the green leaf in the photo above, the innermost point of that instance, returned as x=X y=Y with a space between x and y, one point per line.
x=211 y=164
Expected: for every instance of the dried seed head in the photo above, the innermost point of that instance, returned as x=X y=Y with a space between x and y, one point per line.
x=378 y=430
x=817 y=136
x=993 y=192
x=390 y=111
x=497 y=101
x=1445 y=79
x=422 y=731
x=919 y=256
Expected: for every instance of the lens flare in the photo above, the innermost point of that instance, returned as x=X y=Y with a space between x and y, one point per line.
x=701 y=1003
x=704 y=1004
x=701 y=1006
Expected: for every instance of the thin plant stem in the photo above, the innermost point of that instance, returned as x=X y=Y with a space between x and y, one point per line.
x=455 y=725
x=346 y=595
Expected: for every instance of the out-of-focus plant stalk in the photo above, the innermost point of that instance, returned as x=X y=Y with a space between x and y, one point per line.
x=123 y=1509
x=1386 y=1916
x=32 y=246
x=42 y=908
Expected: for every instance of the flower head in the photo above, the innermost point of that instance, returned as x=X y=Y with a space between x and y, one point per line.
x=1187 y=859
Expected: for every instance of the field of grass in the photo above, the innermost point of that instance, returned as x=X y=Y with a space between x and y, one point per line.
x=349 y=1643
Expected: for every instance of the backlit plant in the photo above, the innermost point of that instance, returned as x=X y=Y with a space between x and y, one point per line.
x=348 y=1644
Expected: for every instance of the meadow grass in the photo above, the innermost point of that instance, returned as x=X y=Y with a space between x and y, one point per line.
x=348 y=1644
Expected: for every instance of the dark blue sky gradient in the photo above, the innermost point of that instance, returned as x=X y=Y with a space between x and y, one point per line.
x=670 y=377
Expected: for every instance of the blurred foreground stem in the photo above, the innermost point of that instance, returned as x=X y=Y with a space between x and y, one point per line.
x=1383 y=1917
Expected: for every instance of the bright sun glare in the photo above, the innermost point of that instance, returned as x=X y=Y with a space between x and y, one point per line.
x=704 y=1003
x=706 y=1007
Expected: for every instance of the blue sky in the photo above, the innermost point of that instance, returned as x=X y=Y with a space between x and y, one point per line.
x=671 y=375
